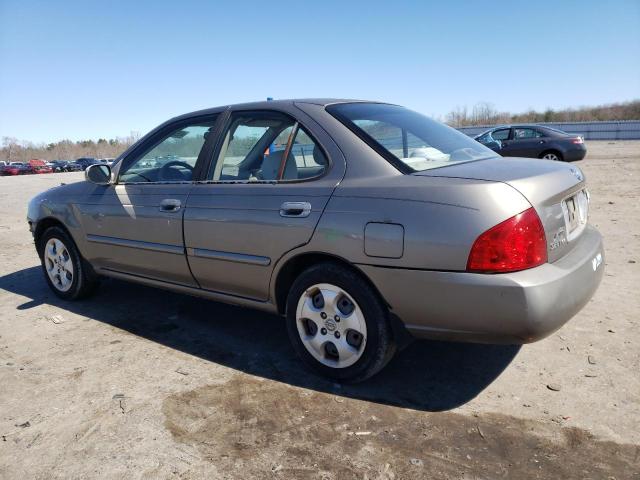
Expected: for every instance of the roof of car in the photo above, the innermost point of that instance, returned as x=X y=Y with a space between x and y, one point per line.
x=518 y=125
x=266 y=104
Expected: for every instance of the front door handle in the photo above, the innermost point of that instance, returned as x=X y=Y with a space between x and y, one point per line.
x=170 y=205
x=295 y=209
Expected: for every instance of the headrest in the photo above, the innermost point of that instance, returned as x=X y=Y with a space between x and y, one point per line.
x=271 y=165
x=318 y=156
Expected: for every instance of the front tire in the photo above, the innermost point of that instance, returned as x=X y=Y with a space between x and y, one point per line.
x=66 y=272
x=338 y=324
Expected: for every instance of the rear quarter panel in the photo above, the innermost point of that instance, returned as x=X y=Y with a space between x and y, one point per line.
x=441 y=218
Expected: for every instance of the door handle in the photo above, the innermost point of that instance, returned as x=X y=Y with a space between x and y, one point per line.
x=170 y=205
x=542 y=141
x=295 y=209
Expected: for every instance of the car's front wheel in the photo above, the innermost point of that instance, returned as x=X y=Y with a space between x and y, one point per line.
x=65 y=271
x=338 y=324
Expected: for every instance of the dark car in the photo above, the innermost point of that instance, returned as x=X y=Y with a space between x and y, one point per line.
x=534 y=141
x=15 y=168
x=65 y=166
x=84 y=162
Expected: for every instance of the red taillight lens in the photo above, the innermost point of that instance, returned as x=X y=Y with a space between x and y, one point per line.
x=515 y=244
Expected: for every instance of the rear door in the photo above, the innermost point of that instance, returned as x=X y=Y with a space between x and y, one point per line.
x=134 y=226
x=268 y=183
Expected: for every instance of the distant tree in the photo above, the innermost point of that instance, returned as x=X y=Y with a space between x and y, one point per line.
x=484 y=113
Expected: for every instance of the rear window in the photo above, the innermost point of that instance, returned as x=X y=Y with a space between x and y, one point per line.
x=409 y=140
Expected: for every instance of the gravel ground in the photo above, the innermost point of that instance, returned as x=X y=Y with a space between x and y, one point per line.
x=140 y=383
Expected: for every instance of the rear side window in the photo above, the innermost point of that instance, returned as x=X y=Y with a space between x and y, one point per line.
x=410 y=141
x=524 y=133
x=266 y=146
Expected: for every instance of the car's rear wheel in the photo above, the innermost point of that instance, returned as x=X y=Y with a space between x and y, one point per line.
x=552 y=155
x=67 y=274
x=338 y=324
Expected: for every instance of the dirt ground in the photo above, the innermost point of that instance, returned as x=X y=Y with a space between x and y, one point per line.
x=140 y=383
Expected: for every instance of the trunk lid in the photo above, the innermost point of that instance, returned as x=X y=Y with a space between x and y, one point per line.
x=556 y=190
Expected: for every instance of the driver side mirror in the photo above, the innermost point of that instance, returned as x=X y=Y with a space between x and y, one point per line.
x=100 y=174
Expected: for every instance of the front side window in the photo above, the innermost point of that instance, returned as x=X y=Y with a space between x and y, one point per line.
x=502 y=134
x=255 y=145
x=172 y=159
x=484 y=138
x=409 y=140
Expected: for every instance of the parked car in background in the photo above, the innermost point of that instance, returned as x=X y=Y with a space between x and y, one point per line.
x=15 y=168
x=65 y=166
x=108 y=161
x=39 y=166
x=390 y=222
x=84 y=162
x=534 y=141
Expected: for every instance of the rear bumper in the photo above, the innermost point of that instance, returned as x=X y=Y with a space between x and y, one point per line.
x=515 y=308
x=575 y=154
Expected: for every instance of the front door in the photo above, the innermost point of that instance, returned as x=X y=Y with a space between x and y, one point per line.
x=135 y=225
x=267 y=187
x=501 y=142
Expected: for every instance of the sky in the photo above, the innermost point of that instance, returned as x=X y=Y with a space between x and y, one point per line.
x=91 y=69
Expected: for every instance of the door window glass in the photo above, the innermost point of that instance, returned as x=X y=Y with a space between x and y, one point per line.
x=502 y=134
x=170 y=160
x=254 y=146
x=523 y=133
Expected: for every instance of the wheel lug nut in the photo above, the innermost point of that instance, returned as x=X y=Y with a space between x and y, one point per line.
x=337 y=318
x=337 y=334
x=323 y=315
x=323 y=331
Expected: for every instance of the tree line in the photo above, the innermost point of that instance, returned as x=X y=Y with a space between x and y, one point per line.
x=14 y=150
x=485 y=113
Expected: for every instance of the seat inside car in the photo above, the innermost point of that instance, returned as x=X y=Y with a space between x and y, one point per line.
x=271 y=166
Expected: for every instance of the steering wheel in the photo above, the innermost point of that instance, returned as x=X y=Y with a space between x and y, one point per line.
x=168 y=173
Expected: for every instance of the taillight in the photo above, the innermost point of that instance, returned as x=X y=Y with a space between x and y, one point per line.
x=515 y=244
x=577 y=140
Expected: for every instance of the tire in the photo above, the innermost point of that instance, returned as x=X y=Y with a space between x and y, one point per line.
x=68 y=275
x=552 y=155
x=356 y=355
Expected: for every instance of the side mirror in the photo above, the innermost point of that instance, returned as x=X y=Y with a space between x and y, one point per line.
x=100 y=174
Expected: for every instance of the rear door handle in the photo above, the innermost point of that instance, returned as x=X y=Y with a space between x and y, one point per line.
x=170 y=205
x=295 y=209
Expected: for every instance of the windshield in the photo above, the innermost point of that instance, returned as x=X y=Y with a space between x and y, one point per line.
x=407 y=139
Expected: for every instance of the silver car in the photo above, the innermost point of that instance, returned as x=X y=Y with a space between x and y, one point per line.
x=357 y=221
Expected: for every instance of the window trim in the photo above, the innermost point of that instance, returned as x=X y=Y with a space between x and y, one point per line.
x=159 y=135
x=226 y=124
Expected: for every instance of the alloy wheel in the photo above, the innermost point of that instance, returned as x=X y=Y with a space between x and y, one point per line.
x=58 y=264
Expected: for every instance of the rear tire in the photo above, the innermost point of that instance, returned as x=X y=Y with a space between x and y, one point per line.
x=552 y=155
x=68 y=275
x=338 y=324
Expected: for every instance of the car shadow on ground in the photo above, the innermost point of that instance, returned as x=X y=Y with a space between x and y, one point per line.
x=426 y=375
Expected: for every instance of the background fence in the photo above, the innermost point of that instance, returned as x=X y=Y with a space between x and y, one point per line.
x=621 y=130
